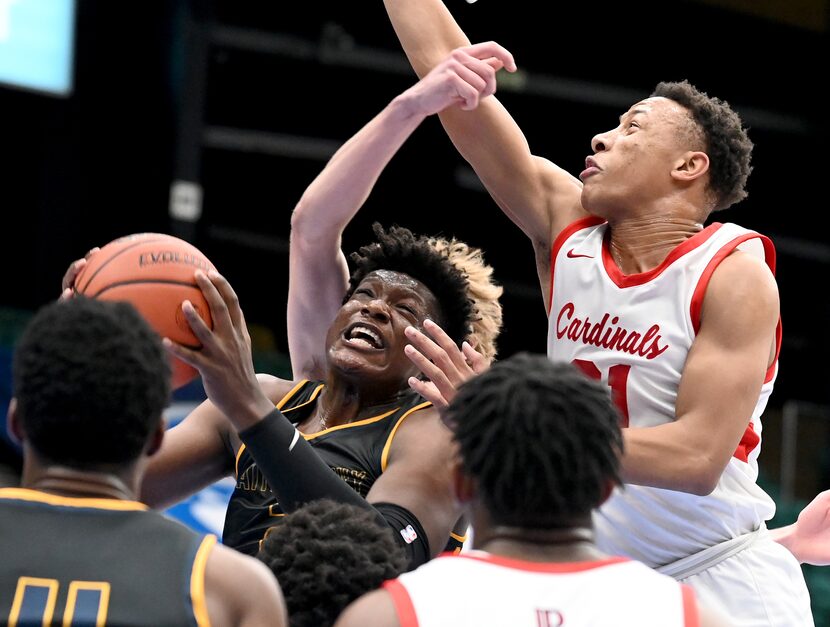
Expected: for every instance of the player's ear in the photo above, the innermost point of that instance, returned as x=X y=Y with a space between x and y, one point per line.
x=606 y=491
x=463 y=485
x=691 y=165
x=13 y=427
x=156 y=438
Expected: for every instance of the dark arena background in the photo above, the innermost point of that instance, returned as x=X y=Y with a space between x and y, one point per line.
x=207 y=120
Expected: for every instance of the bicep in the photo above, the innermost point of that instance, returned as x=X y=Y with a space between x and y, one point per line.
x=193 y=455
x=318 y=279
x=727 y=363
x=419 y=475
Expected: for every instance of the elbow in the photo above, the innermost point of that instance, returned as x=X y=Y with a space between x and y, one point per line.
x=703 y=478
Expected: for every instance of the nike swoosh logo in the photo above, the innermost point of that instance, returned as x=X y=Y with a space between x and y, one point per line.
x=573 y=255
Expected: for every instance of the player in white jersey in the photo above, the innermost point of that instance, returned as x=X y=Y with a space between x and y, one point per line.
x=692 y=390
x=539 y=449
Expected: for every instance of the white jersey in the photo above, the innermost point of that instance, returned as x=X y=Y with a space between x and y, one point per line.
x=634 y=332
x=477 y=589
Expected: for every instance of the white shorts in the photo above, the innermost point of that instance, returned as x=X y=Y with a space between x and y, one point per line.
x=761 y=586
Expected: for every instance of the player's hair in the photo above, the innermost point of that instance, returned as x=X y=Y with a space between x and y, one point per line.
x=91 y=381
x=542 y=440
x=482 y=290
x=327 y=554
x=399 y=250
x=725 y=140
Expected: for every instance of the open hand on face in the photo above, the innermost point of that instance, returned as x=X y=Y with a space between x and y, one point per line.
x=224 y=360
x=445 y=366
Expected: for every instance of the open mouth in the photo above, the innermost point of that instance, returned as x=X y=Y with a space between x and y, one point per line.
x=364 y=336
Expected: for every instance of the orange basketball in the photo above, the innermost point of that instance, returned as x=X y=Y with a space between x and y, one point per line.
x=154 y=272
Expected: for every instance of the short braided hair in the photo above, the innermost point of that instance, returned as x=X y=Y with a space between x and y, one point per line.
x=541 y=439
x=327 y=554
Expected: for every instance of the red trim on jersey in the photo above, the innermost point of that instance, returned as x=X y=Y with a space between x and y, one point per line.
x=539 y=567
x=749 y=440
x=631 y=280
x=691 y=616
x=700 y=290
x=564 y=234
x=402 y=602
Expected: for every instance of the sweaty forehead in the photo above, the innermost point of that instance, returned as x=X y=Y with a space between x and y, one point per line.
x=396 y=279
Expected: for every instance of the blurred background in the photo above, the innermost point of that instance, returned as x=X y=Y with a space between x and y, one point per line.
x=207 y=119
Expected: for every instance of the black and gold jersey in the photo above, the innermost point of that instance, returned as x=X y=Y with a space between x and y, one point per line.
x=358 y=452
x=87 y=561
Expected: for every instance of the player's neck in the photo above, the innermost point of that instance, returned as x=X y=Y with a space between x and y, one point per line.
x=641 y=244
x=64 y=481
x=342 y=402
x=571 y=544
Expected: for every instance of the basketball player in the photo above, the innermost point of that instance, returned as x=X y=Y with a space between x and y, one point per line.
x=319 y=273
x=538 y=448
x=373 y=434
x=367 y=439
x=680 y=321
x=327 y=554
x=90 y=384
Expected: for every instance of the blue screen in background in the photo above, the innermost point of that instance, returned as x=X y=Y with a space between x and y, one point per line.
x=36 y=44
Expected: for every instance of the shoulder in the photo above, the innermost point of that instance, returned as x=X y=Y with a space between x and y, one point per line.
x=275 y=388
x=744 y=281
x=375 y=609
x=418 y=428
x=240 y=588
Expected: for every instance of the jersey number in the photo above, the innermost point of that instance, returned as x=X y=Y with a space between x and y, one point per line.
x=34 y=603
x=617 y=381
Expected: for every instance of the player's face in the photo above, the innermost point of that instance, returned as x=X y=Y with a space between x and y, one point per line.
x=631 y=166
x=367 y=336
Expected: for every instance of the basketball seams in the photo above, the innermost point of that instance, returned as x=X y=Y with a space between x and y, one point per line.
x=144 y=282
x=82 y=290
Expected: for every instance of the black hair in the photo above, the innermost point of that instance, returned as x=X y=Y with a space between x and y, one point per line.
x=327 y=554
x=399 y=250
x=541 y=439
x=726 y=141
x=91 y=381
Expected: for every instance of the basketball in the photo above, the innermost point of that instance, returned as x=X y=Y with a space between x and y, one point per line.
x=153 y=272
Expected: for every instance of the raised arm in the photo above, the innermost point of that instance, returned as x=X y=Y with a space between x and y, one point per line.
x=537 y=195
x=318 y=273
x=719 y=387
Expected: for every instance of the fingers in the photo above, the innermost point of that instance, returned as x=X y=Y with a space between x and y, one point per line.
x=218 y=308
x=230 y=299
x=428 y=390
x=478 y=362
x=72 y=272
x=187 y=355
x=487 y=49
x=435 y=374
x=446 y=344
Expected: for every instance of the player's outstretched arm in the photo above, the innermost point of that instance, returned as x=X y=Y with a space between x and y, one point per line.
x=318 y=273
x=537 y=195
x=808 y=539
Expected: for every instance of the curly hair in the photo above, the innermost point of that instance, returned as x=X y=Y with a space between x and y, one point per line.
x=327 y=554
x=482 y=291
x=91 y=381
x=725 y=140
x=399 y=250
x=541 y=439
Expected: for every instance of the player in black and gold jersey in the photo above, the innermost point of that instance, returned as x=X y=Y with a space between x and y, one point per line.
x=90 y=385
x=365 y=421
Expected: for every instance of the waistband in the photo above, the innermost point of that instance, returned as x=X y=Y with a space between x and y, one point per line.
x=708 y=557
